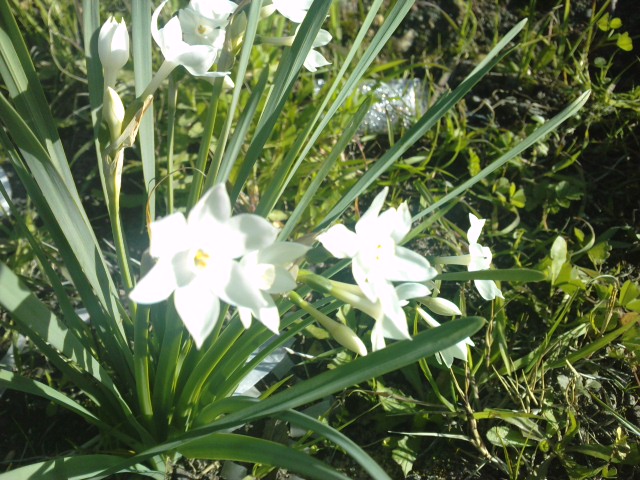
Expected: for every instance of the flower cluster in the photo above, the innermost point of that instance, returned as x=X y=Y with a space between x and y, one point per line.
x=195 y=37
x=211 y=255
x=379 y=260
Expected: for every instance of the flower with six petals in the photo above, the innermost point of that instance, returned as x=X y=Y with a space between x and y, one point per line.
x=197 y=261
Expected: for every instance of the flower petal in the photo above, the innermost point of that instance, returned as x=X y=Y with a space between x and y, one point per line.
x=480 y=257
x=197 y=59
x=322 y=39
x=282 y=282
x=156 y=285
x=269 y=316
x=488 y=289
x=294 y=10
x=245 y=316
x=198 y=308
x=315 y=60
x=408 y=266
x=248 y=232
x=155 y=33
x=406 y=291
x=229 y=281
x=169 y=235
x=281 y=253
x=473 y=234
x=367 y=221
x=214 y=204
x=340 y=241
x=402 y=224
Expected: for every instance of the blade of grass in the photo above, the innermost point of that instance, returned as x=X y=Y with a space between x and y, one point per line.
x=375 y=364
x=142 y=55
x=290 y=164
x=426 y=122
x=239 y=448
x=536 y=136
x=285 y=77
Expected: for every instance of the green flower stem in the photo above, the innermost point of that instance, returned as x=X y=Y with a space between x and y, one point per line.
x=172 y=98
x=207 y=135
x=277 y=41
x=113 y=173
x=340 y=332
x=316 y=282
x=453 y=260
x=141 y=363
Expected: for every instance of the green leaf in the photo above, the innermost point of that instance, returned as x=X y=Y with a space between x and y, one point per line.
x=375 y=364
x=424 y=124
x=503 y=436
x=239 y=448
x=76 y=468
x=142 y=56
x=624 y=42
x=507 y=275
x=629 y=292
x=599 y=253
x=558 y=257
x=404 y=455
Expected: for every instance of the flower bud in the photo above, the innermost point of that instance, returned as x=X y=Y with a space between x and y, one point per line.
x=113 y=48
x=441 y=306
x=113 y=113
x=341 y=334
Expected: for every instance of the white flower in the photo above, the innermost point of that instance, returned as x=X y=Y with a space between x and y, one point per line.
x=390 y=322
x=315 y=59
x=446 y=356
x=480 y=259
x=378 y=259
x=197 y=262
x=196 y=58
x=294 y=10
x=113 y=49
x=269 y=269
x=203 y=21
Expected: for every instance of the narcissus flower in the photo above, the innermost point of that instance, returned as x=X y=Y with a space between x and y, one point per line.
x=480 y=259
x=294 y=10
x=203 y=22
x=197 y=261
x=378 y=258
x=113 y=49
x=315 y=59
x=271 y=271
x=197 y=57
x=446 y=356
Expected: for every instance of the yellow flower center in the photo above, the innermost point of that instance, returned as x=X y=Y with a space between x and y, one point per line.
x=201 y=259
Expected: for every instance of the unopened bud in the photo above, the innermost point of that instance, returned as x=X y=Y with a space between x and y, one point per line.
x=113 y=49
x=113 y=113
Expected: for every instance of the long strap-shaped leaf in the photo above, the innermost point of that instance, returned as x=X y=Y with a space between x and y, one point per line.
x=30 y=312
x=295 y=157
x=318 y=428
x=292 y=60
x=76 y=468
x=240 y=448
x=537 y=135
x=17 y=382
x=378 y=363
x=23 y=85
x=68 y=224
x=426 y=122
x=32 y=128
x=141 y=46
